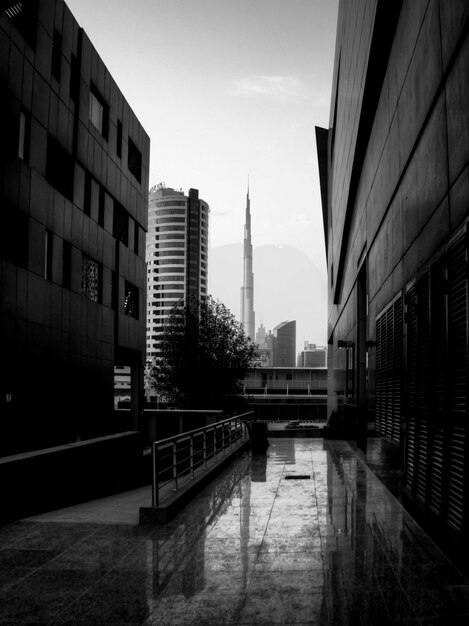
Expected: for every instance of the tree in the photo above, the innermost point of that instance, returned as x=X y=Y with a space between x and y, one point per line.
x=205 y=357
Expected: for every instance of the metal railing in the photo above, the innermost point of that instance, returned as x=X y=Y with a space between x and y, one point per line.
x=181 y=455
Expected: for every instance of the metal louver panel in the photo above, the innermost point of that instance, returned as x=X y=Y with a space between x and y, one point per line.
x=437 y=386
x=409 y=478
x=411 y=318
x=422 y=460
x=423 y=353
x=438 y=335
x=436 y=473
x=455 y=485
x=457 y=313
x=389 y=371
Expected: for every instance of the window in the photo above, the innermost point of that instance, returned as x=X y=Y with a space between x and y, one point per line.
x=171 y=203
x=131 y=300
x=172 y=228
x=74 y=78
x=120 y=224
x=91 y=279
x=114 y=289
x=99 y=112
x=14 y=236
x=171 y=220
x=119 y=139
x=24 y=135
x=159 y=237
x=136 y=235
x=102 y=198
x=59 y=168
x=23 y=16
x=56 y=54
x=87 y=194
x=67 y=265
x=134 y=160
x=48 y=255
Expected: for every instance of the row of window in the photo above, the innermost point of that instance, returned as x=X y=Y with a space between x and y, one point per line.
x=24 y=17
x=14 y=240
x=161 y=203
x=160 y=212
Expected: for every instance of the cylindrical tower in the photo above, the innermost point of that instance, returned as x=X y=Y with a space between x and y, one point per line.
x=176 y=254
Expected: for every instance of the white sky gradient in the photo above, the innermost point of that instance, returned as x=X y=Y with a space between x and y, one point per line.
x=228 y=89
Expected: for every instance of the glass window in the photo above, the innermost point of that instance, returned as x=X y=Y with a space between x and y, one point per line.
x=91 y=279
x=134 y=162
x=96 y=112
x=99 y=112
x=23 y=136
x=131 y=300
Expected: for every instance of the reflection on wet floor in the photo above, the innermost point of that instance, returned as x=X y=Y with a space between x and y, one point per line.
x=330 y=545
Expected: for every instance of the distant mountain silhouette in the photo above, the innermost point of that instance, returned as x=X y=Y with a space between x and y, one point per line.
x=287 y=286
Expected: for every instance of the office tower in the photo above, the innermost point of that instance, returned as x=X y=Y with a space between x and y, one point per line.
x=177 y=256
x=394 y=170
x=247 y=290
x=73 y=195
x=265 y=342
x=284 y=344
x=312 y=356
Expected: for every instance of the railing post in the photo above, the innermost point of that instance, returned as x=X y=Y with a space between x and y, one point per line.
x=175 y=468
x=155 y=495
x=214 y=442
x=205 y=448
x=192 y=455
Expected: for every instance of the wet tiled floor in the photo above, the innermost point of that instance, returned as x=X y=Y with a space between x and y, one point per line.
x=305 y=534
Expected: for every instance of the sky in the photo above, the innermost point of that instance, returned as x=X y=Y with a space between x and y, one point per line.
x=228 y=90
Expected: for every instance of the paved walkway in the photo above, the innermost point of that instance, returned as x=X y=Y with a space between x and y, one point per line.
x=305 y=534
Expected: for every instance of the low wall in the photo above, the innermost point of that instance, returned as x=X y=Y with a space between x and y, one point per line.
x=43 y=480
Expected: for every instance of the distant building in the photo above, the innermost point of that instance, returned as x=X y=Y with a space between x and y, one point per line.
x=287 y=392
x=73 y=195
x=247 y=290
x=177 y=256
x=284 y=344
x=394 y=169
x=312 y=356
x=265 y=342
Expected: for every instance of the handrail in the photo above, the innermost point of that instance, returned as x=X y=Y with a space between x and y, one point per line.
x=202 y=444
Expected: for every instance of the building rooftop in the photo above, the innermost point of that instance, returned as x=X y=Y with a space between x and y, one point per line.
x=305 y=534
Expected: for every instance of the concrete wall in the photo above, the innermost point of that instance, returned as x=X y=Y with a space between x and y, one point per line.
x=53 y=478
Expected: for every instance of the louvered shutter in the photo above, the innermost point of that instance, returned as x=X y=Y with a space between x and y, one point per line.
x=410 y=451
x=388 y=389
x=438 y=385
x=423 y=385
x=457 y=382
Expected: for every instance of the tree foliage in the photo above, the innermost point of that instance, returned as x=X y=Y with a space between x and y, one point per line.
x=205 y=357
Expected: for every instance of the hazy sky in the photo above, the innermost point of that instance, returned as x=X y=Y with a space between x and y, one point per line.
x=227 y=89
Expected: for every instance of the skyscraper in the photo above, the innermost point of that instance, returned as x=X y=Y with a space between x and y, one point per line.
x=285 y=344
x=247 y=290
x=177 y=255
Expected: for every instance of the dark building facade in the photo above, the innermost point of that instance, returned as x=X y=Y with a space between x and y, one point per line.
x=73 y=194
x=394 y=168
x=284 y=344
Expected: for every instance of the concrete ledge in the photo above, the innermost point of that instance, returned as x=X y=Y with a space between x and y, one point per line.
x=172 y=501
x=43 y=480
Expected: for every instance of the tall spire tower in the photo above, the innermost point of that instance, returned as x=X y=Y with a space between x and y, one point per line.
x=247 y=290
